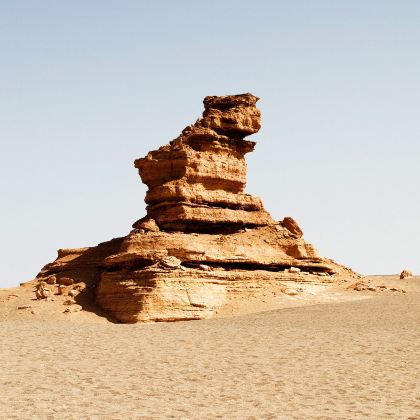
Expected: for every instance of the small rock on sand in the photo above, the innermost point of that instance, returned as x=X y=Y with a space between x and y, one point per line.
x=73 y=308
x=359 y=287
x=291 y=292
x=397 y=289
x=406 y=274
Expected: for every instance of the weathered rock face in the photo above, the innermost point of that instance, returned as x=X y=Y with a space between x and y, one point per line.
x=204 y=241
x=197 y=181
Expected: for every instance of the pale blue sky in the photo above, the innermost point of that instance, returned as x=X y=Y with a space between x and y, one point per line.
x=88 y=86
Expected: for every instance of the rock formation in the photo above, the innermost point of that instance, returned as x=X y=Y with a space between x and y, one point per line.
x=204 y=241
x=196 y=183
x=406 y=274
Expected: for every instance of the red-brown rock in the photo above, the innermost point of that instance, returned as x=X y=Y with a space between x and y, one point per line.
x=204 y=240
x=406 y=274
x=291 y=225
x=197 y=181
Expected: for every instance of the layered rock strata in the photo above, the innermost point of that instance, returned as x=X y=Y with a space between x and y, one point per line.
x=204 y=242
x=197 y=181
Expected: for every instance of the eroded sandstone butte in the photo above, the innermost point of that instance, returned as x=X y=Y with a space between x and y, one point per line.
x=204 y=242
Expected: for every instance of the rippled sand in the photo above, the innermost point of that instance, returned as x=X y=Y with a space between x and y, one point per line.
x=353 y=360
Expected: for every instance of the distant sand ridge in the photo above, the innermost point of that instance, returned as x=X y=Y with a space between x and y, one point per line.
x=205 y=247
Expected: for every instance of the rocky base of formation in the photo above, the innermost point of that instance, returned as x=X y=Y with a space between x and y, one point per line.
x=204 y=242
x=169 y=276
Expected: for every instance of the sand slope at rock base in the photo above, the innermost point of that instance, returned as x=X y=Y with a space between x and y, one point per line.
x=356 y=359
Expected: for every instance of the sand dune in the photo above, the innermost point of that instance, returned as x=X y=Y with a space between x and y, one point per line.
x=346 y=360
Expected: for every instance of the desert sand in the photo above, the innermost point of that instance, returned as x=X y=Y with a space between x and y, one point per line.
x=345 y=358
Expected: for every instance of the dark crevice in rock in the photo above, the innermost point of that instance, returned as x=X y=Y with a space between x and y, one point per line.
x=132 y=265
x=206 y=227
x=140 y=264
x=208 y=205
x=254 y=266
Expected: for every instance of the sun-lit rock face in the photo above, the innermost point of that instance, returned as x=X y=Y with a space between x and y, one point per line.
x=205 y=244
x=234 y=115
x=197 y=181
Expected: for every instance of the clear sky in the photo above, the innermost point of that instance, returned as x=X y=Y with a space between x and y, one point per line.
x=88 y=86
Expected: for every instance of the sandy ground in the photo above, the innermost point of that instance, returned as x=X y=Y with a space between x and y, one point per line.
x=345 y=360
